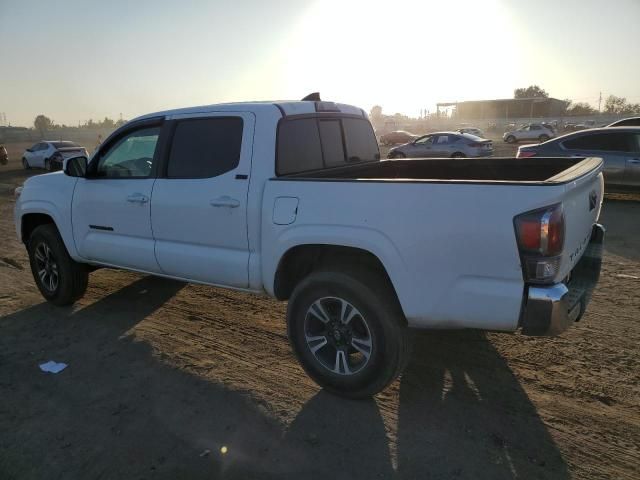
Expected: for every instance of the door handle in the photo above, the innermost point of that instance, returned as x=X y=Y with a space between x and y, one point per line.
x=137 y=198
x=225 y=201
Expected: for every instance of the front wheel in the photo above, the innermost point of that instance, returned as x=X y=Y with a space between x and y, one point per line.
x=25 y=164
x=543 y=138
x=59 y=278
x=458 y=155
x=397 y=155
x=47 y=164
x=347 y=331
x=511 y=139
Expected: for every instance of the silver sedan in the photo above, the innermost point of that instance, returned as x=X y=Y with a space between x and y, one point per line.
x=444 y=144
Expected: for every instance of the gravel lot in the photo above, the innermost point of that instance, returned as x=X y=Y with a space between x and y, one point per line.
x=167 y=380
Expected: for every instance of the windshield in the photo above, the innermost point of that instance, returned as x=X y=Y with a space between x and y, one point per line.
x=64 y=144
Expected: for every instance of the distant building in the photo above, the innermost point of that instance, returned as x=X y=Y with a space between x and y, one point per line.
x=510 y=108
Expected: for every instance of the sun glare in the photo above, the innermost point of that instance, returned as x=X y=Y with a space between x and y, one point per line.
x=405 y=55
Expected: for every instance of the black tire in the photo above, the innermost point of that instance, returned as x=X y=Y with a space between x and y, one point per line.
x=458 y=155
x=377 y=308
x=25 y=164
x=397 y=155
x=47 y=164
x=72 y=277
x=543 y=138
x=511 y=139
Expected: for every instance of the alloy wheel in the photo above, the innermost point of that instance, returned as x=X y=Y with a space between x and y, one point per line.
x=47 y=267
x=338 y=335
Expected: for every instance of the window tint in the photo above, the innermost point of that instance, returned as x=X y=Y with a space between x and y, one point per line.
x=331 y=138
x=64 y=144
x=298 y=146
x=360 y=141
x=616 y=141
x=536 y=127
x=300 y=141
x=427 y=139
x=205 y=147
x=442 y=139
x=131 y=156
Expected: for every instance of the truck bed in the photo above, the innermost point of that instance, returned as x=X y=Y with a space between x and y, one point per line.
x=498 y=170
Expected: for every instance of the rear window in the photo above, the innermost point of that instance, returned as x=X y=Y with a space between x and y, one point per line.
x=613 y=142
x=314 y=143
x=205 y=148
x=64 y=144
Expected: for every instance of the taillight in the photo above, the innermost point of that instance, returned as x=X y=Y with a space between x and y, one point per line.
x=525 y=154
x=540 y=236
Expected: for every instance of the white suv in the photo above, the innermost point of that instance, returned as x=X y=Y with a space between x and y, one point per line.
x=533 y=131
x=50 y=155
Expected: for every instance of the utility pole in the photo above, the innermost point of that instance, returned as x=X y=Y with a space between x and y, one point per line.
x=599 y=102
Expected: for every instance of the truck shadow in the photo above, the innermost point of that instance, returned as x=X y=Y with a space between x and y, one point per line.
x=462 y=414
x=119 y=411
x=619 y=214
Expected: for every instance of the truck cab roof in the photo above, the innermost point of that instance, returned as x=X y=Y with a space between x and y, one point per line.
x=285 y=107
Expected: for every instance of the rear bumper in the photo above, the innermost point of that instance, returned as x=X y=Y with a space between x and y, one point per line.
x=551 y=310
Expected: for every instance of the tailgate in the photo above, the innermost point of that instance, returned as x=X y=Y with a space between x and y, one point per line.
x=581 y=205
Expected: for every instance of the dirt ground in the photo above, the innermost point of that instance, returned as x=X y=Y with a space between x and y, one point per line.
x=167 y=380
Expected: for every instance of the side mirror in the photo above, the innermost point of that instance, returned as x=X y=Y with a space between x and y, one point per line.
x=76 y=166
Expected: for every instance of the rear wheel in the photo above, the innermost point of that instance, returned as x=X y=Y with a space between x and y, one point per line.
x=543 y=138
x=59 y=278
x=25 y=164
x=47 y=164
x=511 y=139
x=347 y=331
x=397 y=155
x=458 y=155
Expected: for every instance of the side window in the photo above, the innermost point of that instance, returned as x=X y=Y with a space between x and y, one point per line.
x=205 y=147
x=131 y=156
x=442 y=139
x=298 y=146
x=425 y=140
x=536 y=127
x=360 y=141
x=615 y=142
x=331 y=138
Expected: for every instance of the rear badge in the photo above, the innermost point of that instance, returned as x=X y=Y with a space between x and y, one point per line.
x=593 y=200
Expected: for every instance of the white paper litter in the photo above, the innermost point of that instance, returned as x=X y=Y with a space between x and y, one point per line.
x=52 y=367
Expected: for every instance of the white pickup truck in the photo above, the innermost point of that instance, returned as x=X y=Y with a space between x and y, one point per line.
x=291 y=199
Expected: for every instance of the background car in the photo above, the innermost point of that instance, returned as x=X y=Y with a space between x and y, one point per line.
x=619 y=147
x=472 y=130
x=533 y=131
x=397 y=137
x=51 y=154
x=444 y=144
x=626 y=122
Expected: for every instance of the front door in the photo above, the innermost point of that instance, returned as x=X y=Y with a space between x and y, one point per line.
x=422 y=148
x=199 y=205
x=112 y=207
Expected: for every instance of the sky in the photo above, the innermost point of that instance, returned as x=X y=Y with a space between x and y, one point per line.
x=73 y=60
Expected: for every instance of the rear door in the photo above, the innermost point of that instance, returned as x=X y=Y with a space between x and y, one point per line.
x=443 y=145
x=199 y=205
x=111 y=208
x=612 y=147
x=632 y=170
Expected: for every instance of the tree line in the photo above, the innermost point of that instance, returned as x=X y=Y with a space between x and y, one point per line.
x=613 y=104
x=42 y=123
